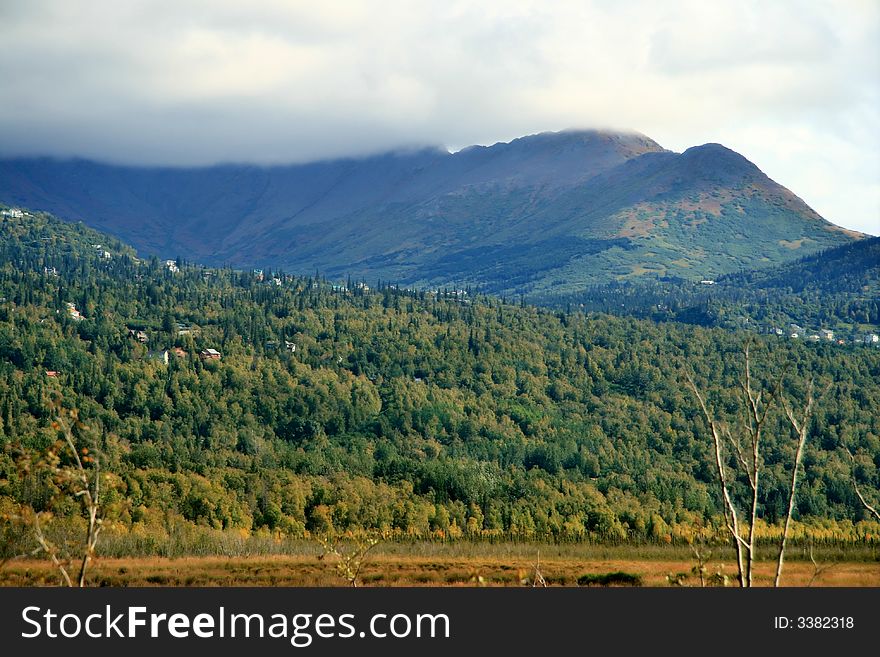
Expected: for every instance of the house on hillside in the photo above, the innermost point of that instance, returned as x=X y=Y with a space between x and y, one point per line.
x=872 y=338
x=180 y=353
x=160 y=355
x=52 y=374
x=171 y=265
x=826 y=334
x=140 y=336
x=73 y=312
x=290 y=346
x=209 y=354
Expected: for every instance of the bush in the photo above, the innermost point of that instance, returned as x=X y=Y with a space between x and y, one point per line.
x=618 y=578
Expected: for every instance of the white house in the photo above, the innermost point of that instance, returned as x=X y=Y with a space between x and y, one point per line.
x=161 y=356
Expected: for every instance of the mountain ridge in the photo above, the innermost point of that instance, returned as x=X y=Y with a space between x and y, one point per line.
x=551 y=210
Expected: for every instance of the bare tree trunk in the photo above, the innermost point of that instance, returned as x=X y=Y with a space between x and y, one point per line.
x=801 y=428
x=49 y=549
x=84 y=484
x=855 y=484
x=730 y=515
x=94 y=526
x=758 y=406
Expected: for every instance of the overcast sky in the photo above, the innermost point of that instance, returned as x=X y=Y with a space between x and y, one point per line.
x=793 y=86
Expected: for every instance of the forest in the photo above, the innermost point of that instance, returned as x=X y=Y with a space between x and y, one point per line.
x=357 y=405
x=836 y=288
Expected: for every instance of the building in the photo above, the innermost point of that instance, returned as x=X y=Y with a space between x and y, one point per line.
x=209 y=354
x=73 y=312
x=140 y=336
x=180 y=353
x=871 y=338
x=171 y=265
x=52 y=374
x=290 y=346
x=826 y=334
x=160 y=355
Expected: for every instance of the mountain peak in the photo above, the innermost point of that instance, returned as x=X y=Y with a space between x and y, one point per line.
x=544 y=211
x=630 y=143
x=719 y=162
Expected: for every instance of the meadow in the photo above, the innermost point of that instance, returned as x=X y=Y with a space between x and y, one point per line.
x=466 y=563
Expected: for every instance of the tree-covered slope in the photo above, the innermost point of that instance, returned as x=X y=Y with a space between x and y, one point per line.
x=836 y=289
x=431 y=415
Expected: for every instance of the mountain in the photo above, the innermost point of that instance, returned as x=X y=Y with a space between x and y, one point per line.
x=553 y=211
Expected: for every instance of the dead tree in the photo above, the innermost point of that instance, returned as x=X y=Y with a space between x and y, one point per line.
x=538 y=579
x=744 y=441
x=801 y=427
x=855 y=482
x=349 y=554
x=81 y=478
x=818 y=570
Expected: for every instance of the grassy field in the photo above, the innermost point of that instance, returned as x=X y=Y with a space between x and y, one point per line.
x=457 y=564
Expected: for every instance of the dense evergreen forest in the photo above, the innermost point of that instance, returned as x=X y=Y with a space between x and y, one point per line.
x=837 y=289
x=354 y=405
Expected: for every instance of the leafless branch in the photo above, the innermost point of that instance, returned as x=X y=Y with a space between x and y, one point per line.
x=858 y=491
x=817 y=569
x=49 y=548
x=730 y=514
x=801 y=428
x=82 y=483
x=349 y=561
x=538 y=579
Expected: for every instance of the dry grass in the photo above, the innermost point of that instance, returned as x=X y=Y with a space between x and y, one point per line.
x=793 y=244
x=416 y=567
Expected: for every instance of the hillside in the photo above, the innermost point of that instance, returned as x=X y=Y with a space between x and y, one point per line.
x=836 y=289
x=549 y=212
x=852 y=268
x=427 y=415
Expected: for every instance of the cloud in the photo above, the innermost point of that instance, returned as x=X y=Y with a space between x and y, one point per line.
x=794 y=86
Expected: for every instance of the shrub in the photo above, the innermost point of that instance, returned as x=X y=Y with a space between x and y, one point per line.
x=618 y=578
